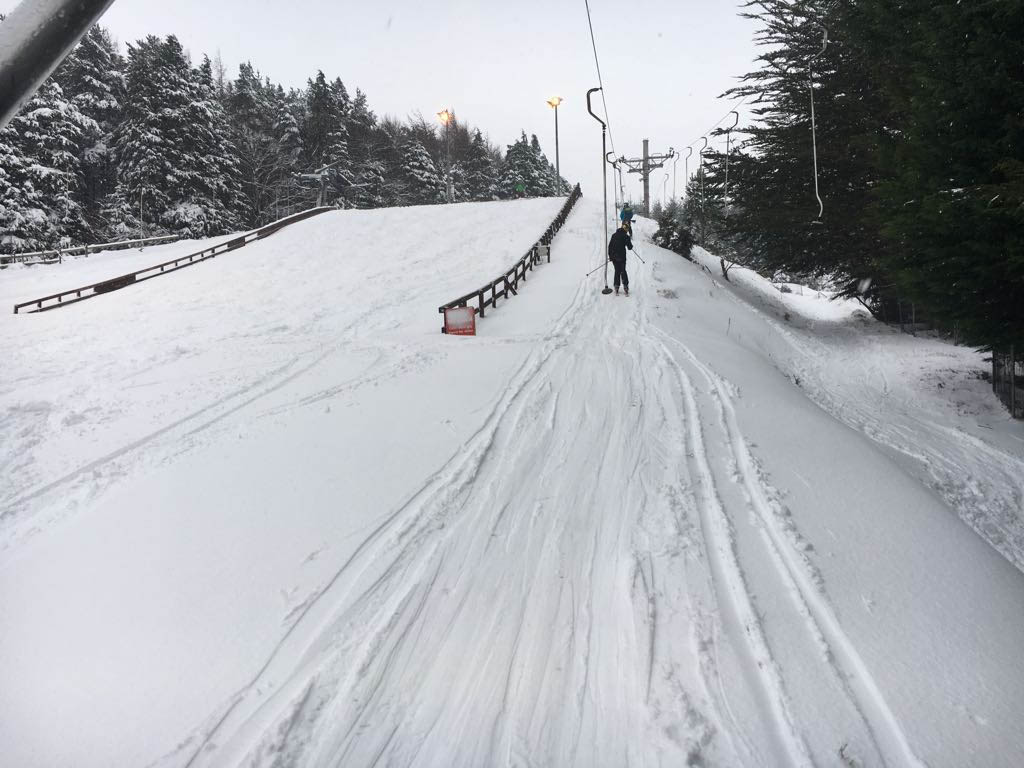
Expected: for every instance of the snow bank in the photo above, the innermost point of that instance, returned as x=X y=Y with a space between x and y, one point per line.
x=927 y=401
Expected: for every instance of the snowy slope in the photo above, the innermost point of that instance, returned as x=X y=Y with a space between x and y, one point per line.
x=926 y=401
x=263 y=513
x=24 y=282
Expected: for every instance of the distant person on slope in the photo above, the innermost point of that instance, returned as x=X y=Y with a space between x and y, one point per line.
x=626 y=215
x=620 y=242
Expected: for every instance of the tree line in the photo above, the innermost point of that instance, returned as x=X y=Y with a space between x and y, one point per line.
x=119 y=146
x=920 y=149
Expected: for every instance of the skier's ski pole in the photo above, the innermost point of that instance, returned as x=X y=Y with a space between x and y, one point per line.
x=601 y=266
x=638 y=256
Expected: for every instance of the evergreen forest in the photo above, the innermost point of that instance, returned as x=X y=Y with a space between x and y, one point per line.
x=919 y=135
x=148 y=143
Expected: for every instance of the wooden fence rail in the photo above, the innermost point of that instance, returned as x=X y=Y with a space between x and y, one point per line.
x=74 y=295
x=57 y=255
x=508 y=283
x=1008 y=379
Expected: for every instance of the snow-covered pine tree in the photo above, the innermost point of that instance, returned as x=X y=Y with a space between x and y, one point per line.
x=182 y=172
x=143 y=145
x=174 y=158
x=951 y=152
x=365 y=143
x=341 y=98
x=220 y=195
x=369 y=189
x=776 y=212
x=252 y=119
x=674 y=229
x=324 y=135
x=459 y=183
x=518 y=171
x=288 y=193
x=286 y=125
x=92 y=78
x=46 y=136
x=544 y=171
x=479 y=169
x=323 y=126
x=21 y=207
x=423 y=183
x=389 y=138
x=361 y=124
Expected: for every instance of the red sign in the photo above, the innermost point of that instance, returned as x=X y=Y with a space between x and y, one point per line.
x=460 y=321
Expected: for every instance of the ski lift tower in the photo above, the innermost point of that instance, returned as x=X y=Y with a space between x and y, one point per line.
x=644 y=165
x=323 y=175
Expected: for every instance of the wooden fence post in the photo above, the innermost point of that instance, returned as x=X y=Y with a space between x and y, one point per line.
x=1013 y=384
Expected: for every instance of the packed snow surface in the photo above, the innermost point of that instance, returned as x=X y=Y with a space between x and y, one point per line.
x=261 y=512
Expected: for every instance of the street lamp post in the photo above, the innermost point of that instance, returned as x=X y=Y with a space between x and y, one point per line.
x=554 y=101
x=446 y=118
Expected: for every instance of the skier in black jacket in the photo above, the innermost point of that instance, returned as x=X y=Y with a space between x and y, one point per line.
x=620 y=242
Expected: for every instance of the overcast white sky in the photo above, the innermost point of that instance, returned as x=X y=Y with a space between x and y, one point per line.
x=664 y=62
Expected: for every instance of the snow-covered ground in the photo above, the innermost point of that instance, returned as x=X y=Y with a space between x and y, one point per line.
x=928 y=402
x=24 y=282
x=263 y=513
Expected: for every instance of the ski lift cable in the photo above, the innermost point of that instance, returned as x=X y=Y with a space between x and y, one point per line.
x=600 y=80
x=720 y=120
x=704 y=138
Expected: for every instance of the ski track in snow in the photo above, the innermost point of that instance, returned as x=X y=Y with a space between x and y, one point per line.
x=601 y=573
x=981 y=481
x=357 y=640
x=805 y=587
x=346 y=685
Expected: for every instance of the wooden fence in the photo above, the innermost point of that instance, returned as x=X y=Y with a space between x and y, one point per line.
x=74 y=295
x=57 y=255
x=1008 y=379
x=508 y=283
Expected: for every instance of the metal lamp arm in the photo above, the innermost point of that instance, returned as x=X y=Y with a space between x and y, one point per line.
x=590 y=110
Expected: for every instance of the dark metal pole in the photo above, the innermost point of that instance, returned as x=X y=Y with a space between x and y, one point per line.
x=728 y=147
x=449 y=191
x=686 y=170
x=34 y=39
x=703 y=217
x=647 y=178
x=622 y=184
x=814 y=127
x=604 y=176
x=615 y=195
